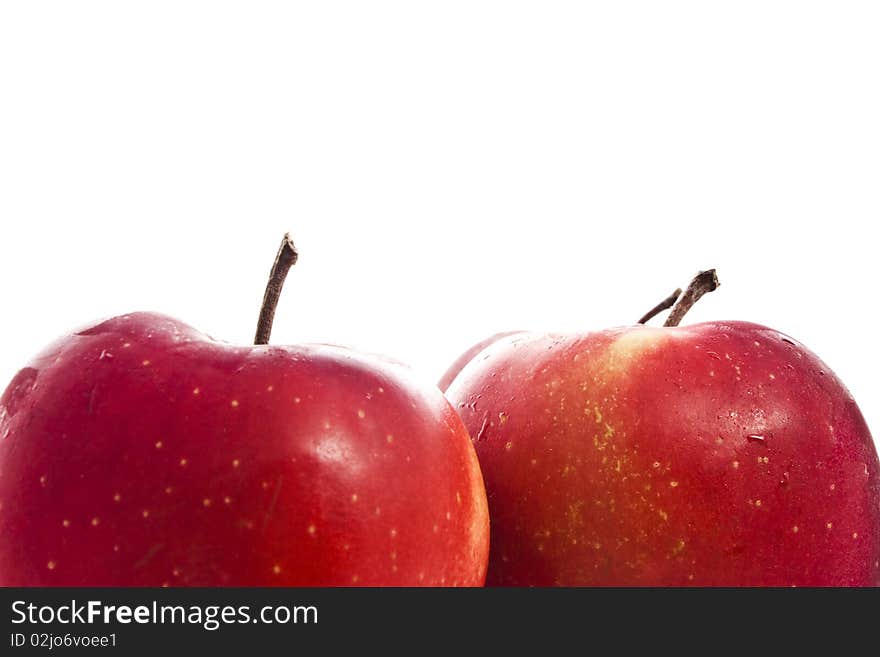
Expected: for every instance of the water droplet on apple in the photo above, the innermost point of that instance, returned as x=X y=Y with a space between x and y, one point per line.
x=756 y=438
x=482 y=431
x=787 y=339
x=712 y=354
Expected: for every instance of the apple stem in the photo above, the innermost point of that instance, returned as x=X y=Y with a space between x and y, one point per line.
x=284 y=260
x=660 y=307
x=705 y=281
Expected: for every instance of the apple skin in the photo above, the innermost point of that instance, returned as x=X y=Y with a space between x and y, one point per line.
x=140 y=452
x=465 y=358
x=716 y=454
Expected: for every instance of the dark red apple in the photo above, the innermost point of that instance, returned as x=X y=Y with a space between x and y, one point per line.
x=142 y=452
x=723 y=453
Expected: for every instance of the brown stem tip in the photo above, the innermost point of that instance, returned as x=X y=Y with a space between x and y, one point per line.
x=705 y=281
x=660 y=307
x=284 y=260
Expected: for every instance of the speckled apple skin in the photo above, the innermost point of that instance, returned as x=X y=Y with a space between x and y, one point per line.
x=141 y=452
x=717 y=454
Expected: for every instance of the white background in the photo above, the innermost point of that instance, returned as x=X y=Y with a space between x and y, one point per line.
x=448 y=169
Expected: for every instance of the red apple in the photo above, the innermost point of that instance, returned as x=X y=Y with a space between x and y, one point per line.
x=142 y=452
x=465 y=358
x=723 y=453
